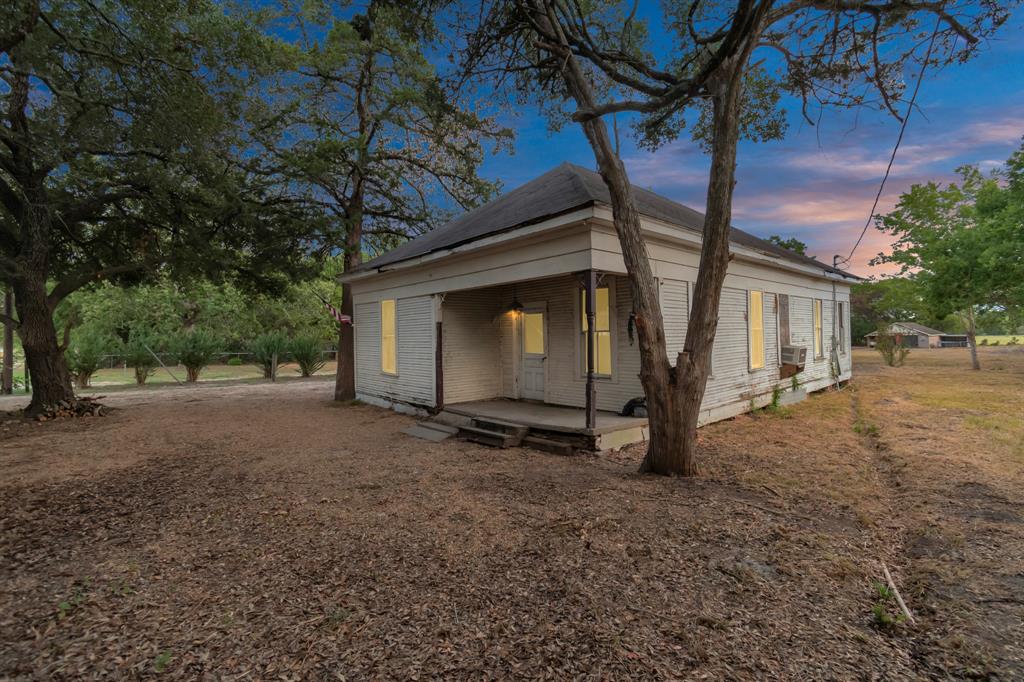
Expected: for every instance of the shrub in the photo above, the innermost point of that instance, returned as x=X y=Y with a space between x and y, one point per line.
x=1013 y=341
x=983 y=342
x=267 y=347
x=195 y=350
x=892 y=349
x=307 y=352
x=85 y=354
x=235 y=361
x=138 y=357
x=996 y=342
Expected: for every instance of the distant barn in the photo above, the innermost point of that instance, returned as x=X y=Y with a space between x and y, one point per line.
x=919 y=336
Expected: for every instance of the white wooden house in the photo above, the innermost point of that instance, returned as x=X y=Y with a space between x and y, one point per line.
x=485 y=315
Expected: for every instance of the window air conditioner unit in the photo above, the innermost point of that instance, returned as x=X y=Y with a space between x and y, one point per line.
x=794 y=355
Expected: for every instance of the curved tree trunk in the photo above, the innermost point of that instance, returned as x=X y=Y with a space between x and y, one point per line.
x=694 y=363
x=674 y=394
x=51 y=380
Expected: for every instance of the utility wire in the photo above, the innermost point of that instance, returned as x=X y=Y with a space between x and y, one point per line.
x=892 y=157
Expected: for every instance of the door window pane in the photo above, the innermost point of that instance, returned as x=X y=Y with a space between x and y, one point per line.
x=533 y=333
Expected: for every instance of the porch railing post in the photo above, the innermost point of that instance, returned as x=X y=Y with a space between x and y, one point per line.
x=590 y=287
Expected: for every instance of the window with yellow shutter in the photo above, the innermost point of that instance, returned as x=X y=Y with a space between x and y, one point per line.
x=388 y=338
x=602 y=332
x=755 y=328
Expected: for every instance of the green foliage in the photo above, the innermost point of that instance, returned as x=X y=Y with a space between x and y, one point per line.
x=85 y=354
x=794 y=383
x=963 y=241
x=370 y=72
x=235 y=361
x=195 y=350
x=161 y=662
x=793 y=244
x=882 y=610
x=307 y=352
x=894 y=299
x=268 y=348
x=137 y=355
x=891 y=348
x=143 y=133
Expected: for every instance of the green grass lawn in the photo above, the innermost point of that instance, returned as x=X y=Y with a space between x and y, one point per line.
x=119 y=376
x=1003 y=339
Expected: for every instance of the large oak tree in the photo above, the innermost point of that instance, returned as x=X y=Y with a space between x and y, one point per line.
x=118 y=159
x=364 y=126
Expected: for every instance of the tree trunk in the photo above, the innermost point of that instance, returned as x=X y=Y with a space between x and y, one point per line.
x=674 y=394
x=7 y=371
x=972 y=341
x=345 y=377
x=51 y=380
x=694 y=363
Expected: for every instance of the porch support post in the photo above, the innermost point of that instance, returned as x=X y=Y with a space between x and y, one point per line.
x=590 y=288
x=438 y=353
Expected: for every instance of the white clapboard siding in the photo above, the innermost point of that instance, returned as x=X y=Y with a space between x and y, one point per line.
x=481 y=345
x=414 y=382
x=675 y=311
x=472 y=348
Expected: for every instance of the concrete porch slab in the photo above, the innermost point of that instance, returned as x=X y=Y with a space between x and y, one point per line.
x=571 y=420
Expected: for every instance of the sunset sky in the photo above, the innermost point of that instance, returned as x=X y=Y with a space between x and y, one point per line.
x=818 y=183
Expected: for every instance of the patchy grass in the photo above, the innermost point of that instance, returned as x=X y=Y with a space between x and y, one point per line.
x=121 y=376
x=262 y=531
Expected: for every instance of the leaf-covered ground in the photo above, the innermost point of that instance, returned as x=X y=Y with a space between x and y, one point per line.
x=262 y=531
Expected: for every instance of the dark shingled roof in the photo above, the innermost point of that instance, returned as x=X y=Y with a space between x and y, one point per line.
x=561 y=190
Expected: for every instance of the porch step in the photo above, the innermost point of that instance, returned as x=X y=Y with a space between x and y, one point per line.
x=497 y=439
x=499 y=426
x=547 y=445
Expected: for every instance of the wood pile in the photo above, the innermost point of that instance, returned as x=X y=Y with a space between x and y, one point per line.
x=79 y=407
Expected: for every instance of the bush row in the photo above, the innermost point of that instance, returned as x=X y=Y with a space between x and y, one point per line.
x=195 y=350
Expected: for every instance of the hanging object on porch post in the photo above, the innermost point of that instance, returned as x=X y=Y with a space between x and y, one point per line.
x=590 y=286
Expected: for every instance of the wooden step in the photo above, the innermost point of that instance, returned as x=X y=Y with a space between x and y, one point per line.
x=497 y=439
x=557 y=447
x=497 y=425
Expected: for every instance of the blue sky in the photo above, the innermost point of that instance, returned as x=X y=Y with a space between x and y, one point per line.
x=818 y=183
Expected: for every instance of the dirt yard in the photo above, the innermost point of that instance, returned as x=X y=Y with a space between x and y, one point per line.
x=261 y=531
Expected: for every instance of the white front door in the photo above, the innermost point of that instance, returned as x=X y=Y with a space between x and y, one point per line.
x=534 y=335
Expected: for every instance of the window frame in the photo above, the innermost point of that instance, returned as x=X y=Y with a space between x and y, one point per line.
x=818 y=328
x=581 y=346
x=393 y=372
x=750 y=333
x=840 y=313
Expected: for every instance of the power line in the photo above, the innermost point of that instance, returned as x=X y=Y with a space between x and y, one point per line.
x=899 y=139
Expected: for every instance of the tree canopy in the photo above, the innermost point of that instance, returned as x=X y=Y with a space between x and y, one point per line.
x=964 y=241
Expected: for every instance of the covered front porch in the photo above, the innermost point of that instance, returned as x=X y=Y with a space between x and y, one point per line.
x=553 y=422
x=557 y=351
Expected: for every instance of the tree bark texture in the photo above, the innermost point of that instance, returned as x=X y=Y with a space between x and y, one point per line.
x=674 y=394
x=7 y=371
x=51 y=380
x=345 y=376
